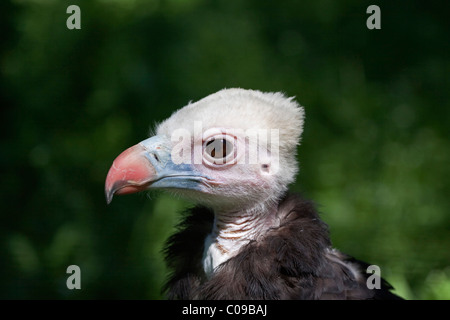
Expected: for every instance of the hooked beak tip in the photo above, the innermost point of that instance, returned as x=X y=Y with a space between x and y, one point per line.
x=109 y=196
x=130 y=172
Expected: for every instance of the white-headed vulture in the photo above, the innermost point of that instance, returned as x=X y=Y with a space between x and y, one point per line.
x=233 y=153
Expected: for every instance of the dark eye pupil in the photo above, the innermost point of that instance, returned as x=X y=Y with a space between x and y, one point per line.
x=218 y=148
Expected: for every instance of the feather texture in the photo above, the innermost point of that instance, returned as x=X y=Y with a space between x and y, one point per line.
x=294 y=260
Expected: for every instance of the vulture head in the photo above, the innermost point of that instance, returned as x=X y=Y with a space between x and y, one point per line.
x=233 y=150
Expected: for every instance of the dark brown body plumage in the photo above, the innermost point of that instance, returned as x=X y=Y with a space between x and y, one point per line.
x=292 y=261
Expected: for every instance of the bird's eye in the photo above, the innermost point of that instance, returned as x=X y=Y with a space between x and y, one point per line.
x=217 y=150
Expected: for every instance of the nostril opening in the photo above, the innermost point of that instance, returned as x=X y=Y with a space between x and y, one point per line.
x=155 y=156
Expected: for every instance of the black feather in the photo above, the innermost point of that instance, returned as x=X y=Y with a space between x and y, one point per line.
x=292 y=261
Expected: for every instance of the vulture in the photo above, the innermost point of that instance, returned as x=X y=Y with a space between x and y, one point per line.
x=233 y=153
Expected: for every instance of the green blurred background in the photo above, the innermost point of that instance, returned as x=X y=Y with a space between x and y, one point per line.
x=375 y=152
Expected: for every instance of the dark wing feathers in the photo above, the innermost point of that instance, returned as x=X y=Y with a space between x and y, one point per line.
x=292 y=261
x=184 y=252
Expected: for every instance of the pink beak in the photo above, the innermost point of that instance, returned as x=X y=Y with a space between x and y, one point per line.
x=130 y=172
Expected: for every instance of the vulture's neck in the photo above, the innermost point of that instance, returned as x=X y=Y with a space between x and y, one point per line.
x=234 y=229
